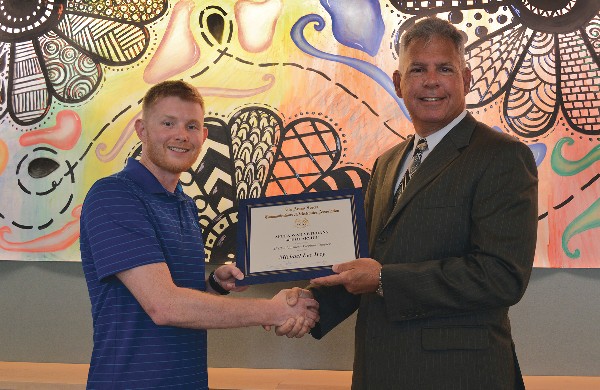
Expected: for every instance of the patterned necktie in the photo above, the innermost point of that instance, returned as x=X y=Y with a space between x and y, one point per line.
x=421 y=147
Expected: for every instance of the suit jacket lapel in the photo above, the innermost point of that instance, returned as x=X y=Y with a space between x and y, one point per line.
x=444 y=153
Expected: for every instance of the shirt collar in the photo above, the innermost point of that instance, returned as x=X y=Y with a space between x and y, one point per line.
x=139 y=174
x=435 y=138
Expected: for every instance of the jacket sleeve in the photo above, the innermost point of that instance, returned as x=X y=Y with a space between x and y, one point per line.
x=335 y=305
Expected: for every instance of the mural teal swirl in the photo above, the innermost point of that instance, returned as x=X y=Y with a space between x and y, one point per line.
x=590 y=219
x=565 y=167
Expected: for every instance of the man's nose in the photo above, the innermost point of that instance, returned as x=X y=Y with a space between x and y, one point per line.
x=431 y=79
x=181 y=133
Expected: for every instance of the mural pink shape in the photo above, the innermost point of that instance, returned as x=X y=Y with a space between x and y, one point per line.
x=55 y=241
x=3 y=156
x=111 y=154
x=177 y=51
x=64 y=135
x=238 y=93
x=256 y=22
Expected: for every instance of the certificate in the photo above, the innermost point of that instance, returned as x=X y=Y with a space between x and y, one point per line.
x=294 y=237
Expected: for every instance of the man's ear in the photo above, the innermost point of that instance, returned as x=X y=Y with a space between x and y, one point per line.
x=204 y=133
x=140 y=130
x=396 y=79
x=467 y=80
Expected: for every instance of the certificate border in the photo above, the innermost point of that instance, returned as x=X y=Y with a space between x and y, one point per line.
x=243 y=234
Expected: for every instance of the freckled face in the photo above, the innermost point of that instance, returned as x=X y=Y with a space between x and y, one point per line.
x=432 y=83
x=172 y=134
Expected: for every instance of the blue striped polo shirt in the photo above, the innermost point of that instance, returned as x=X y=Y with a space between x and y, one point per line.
x=128 y=220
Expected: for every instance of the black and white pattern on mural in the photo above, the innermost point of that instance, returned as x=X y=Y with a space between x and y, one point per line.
x=54 y=48
x=541 y=57
x=240 y=160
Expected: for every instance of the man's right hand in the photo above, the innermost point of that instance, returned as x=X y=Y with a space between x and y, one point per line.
x=298 y=326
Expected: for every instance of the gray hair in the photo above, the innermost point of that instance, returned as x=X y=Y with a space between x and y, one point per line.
x=429 y=28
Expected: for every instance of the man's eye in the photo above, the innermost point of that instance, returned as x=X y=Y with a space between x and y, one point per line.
x=168 y=123
x=193 y=127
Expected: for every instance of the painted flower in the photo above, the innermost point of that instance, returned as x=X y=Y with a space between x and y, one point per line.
x=53 y=49
x=543 y=56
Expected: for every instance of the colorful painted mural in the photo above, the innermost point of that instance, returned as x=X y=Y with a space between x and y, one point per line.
x=299 y=98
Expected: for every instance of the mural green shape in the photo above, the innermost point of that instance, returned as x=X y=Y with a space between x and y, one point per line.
x=565 y=167
x=590 y=219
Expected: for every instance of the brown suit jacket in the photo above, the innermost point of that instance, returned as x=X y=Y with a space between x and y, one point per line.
x=457 y=251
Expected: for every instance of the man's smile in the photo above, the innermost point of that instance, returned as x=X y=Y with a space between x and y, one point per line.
x=177 y=149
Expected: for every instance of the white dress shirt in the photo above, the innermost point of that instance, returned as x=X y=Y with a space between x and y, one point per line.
x=432 y=141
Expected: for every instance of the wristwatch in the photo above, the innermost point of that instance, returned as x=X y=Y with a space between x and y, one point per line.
x=379 y=290
x=215 y=283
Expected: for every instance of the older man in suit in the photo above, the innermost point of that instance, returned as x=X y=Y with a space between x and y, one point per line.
x=452 y=220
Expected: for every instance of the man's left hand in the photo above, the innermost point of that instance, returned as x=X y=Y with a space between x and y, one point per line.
x=227 y=275
x=358 y=276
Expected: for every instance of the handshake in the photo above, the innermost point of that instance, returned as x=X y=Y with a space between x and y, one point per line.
x=294 y=312
x=298 y=311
